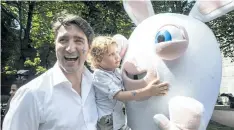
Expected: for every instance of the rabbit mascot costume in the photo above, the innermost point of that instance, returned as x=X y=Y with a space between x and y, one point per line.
x=180 y=50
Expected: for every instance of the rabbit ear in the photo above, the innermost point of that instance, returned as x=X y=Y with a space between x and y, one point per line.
x=207 y=10
x=138 y=10
x=122 y=44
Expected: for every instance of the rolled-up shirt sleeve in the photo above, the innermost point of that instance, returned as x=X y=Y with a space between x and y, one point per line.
x=105 y=84
x=23 y=113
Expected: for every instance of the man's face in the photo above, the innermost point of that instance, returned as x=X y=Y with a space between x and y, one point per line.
x=71 y=48
x=13 y=89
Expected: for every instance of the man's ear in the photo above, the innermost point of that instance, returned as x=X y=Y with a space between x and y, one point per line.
x=122 y=43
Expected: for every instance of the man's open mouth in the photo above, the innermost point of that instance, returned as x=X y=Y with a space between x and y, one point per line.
x=71 y=58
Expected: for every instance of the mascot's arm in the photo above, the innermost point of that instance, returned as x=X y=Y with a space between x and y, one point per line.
x=185 y=114
x=163 y=123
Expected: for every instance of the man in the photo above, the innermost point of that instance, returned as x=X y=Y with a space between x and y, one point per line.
x=62 y=98
x=14 y=88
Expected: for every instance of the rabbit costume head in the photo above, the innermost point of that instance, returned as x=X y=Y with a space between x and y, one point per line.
x=178 y=49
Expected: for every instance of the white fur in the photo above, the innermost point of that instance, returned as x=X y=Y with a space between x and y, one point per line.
x=196 y=74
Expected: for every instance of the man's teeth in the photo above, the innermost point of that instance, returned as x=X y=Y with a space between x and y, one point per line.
x=71 y=58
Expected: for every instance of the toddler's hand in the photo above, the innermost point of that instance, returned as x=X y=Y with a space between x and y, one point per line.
x=155 y=88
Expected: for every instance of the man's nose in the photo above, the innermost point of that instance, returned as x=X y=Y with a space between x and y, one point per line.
x=71 y=47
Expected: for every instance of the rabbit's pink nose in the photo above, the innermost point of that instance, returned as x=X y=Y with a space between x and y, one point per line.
x=171 y=42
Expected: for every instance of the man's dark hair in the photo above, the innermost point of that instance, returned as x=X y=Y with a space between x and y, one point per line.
x=69 y=19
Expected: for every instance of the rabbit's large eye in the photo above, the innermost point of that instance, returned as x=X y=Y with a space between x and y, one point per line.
x=163 y=36
x=169 y=33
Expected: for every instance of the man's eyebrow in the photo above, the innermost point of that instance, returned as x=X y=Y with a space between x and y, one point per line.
x=80 y=38
x=64 y=36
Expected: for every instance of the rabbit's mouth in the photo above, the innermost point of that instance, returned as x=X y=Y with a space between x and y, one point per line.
x=132 y=71
x=134 y=77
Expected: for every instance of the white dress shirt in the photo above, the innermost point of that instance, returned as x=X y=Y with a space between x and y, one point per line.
x=50 y=103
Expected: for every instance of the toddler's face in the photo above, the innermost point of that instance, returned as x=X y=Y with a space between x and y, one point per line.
x=111 y=60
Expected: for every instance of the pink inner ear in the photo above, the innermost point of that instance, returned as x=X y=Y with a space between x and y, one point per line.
x=122 y=53
x=139 y=9
x=206 y=7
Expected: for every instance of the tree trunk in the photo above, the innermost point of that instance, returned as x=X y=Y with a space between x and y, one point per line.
x=25 y=42
x=21 y=58
x=31 y=5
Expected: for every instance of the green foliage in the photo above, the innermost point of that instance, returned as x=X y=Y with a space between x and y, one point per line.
x=223 y=28
x=35 y=65
x=106 y=18
x=40 y=70
x=9 y=70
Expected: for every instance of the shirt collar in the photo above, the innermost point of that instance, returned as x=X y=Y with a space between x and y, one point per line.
x=58 y=75
x=110 y=72
x=86 y=84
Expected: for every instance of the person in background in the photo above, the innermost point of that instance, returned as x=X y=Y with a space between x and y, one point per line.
x=14 y=88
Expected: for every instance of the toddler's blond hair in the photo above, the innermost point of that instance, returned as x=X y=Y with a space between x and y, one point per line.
x=99 y=48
